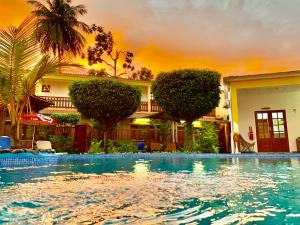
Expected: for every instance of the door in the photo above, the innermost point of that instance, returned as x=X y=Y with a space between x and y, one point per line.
x=80 y=138
x=271 y=131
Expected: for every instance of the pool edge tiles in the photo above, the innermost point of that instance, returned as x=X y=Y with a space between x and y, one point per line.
x=42 y=159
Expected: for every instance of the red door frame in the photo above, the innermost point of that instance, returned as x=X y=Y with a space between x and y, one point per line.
x=271 y=131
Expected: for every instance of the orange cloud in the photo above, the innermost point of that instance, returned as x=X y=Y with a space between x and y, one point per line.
x=13 y=12
x=233 y=37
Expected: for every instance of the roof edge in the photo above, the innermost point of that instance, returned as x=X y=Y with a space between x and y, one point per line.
x=262 y=76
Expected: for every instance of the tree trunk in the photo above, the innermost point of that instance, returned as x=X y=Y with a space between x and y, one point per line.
x=59 y=60
x=115 y=67
x=188 y=136
x=15 y=133
x=2 y=122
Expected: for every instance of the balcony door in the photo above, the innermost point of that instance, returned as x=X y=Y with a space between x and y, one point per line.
x=271 y=131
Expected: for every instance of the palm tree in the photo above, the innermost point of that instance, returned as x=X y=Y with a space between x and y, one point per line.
x=21 y=68
x=58 y=28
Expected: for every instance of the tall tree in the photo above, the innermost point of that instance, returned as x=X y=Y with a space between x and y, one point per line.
x=21 y=68
x=58 y=28
x=143 y=74
x=187 y=95
x=104 y=52
x=107 y=102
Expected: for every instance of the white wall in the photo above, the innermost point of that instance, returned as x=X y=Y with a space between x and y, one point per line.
x=222 y=112
x=58 y=88
x=277 y=98
x=144 y=93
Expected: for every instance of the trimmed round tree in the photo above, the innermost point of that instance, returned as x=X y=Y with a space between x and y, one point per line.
x=108 y=102
x=187 y=95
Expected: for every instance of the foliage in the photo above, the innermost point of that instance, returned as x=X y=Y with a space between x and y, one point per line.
x=57 y=26
x=207 y=140
x=98 y=73
x=114 y=147
x=64 y=119
x=21 y=68
x=95 y=147
x=61 y=143
x=121 y=147
x=44 y=132
x=108 y=102
x=163 y=128
x=143 y=74
x=104 y=52
x=187 y=94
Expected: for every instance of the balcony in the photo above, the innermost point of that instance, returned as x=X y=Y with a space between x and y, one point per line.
x=154 y=107
x=65 y=103
x=59 y=102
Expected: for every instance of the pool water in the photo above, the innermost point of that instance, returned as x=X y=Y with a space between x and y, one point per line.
x=157 y=190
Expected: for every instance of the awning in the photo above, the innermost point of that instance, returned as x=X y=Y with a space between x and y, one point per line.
x=38 y=103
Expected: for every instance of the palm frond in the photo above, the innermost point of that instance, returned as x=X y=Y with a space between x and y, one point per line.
x=57 y=26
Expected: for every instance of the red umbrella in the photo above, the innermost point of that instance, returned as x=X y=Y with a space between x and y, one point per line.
x=36 y=120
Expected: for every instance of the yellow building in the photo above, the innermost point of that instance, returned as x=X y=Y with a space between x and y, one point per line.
x=268 y=105
x=55 y=88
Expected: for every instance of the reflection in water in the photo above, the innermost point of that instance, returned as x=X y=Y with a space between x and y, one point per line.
x=198 y=168
x=141 y=168
x=212 y=192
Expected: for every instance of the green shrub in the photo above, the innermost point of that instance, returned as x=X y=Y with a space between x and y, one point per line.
x=64 y=119
x=207 y=140
x=121 y=147
x=61 y=143
x=187 y=95
x=107 y=102
x=96 y=147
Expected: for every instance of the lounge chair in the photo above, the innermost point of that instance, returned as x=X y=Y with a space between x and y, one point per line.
x=44 y=146
x=170 y=147
x=154 y=147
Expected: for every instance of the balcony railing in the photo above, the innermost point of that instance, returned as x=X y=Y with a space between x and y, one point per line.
x=65 y=103
x=59 y=102
x=143 y=107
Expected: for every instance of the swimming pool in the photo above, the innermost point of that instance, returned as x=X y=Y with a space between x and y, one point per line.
x=149 y=189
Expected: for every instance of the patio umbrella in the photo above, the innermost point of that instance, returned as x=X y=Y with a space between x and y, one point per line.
x=36 y=120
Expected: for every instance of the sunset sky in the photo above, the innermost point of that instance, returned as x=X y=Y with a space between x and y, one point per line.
x=234 y=37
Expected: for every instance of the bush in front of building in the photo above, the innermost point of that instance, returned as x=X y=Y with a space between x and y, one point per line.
x=62 y=143
x=113 y=147
x=96 y=147
x=121 y=146
x=187 y=95
x=206 y=139
x=64 y=119
x=107 y=102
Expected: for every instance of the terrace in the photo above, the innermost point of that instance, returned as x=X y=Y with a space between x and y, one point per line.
x=65 y=103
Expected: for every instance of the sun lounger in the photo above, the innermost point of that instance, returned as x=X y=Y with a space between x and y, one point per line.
x=170 y=147
x=44 y=146
x=154 y=147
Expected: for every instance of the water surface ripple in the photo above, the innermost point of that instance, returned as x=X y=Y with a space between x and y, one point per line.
x=156 y=191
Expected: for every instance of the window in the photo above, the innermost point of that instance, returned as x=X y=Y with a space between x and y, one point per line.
x=45 y=88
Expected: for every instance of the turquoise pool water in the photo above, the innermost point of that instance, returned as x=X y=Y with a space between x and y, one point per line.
x=150 y=190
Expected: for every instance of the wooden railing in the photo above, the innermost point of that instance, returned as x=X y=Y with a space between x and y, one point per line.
x=155 y=107
x=65 y=103
x=143 y=107
x=59 y=102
